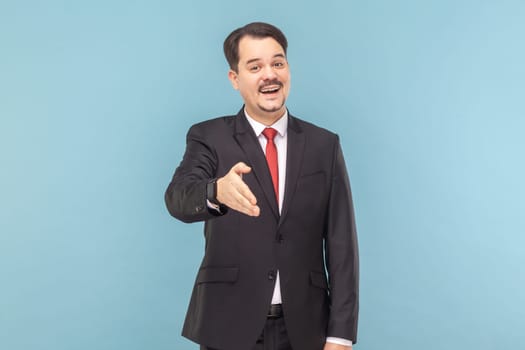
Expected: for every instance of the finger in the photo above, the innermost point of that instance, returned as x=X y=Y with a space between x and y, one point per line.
x=244 y=202
x=241 y=168
x=240 y=204
x=250 y=211
x=245 y=191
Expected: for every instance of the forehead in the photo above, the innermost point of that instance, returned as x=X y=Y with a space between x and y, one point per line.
x=251 y=48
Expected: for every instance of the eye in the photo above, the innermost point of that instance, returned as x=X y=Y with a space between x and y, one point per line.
x=278 y=64
x=254 y=69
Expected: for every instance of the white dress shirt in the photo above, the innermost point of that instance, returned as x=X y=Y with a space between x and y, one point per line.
x=280 y=140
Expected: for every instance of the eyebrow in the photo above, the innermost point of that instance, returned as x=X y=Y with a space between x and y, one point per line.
x=258 y=59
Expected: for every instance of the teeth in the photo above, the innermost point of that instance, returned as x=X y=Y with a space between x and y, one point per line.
x=270 y=90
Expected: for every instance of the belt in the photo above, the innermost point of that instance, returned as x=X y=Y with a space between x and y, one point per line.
x=275 y=311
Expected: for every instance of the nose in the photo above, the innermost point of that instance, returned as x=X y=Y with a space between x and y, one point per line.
x=269 y=73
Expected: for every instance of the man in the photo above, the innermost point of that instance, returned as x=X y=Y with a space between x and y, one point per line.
x=275 y=198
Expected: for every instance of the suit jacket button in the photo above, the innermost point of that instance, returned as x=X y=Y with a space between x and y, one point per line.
x=280 y=238
x=271 y=275
x=199 y=208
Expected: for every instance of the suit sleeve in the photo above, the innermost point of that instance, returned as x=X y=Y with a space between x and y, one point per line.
x=342 y=258
x=185 y=196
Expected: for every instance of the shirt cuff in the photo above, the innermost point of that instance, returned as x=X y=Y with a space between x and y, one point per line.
x=213 y=206
x=339 y=341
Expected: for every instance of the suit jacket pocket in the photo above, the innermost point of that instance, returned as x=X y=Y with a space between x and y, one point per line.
x=310 y=196
x=217 y=274
x=315 y=176
x=318 y=279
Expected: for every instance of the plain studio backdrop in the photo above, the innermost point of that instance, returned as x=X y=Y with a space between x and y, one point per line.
x=95 y=101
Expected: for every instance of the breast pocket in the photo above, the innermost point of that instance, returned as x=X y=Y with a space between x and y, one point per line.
x=312 y=190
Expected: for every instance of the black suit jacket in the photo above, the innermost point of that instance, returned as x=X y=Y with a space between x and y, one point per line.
x=312 y=243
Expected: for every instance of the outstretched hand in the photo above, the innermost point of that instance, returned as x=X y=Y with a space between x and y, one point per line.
x=234 y=193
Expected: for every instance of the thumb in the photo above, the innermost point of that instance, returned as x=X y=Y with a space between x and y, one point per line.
x=241 y=168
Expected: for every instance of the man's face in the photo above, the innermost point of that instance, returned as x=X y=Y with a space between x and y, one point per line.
x=263 y=78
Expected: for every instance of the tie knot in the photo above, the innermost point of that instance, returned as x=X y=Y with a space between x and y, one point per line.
x=269 y=133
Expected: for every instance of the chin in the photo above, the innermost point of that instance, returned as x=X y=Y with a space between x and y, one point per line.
x=272 y=108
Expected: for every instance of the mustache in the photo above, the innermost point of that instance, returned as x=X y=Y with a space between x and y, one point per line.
x=271 y=82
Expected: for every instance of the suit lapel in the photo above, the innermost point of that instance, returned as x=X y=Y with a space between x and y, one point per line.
x=251 y=147
x=294 y=160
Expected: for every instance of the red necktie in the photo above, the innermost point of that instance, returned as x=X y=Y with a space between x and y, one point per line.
x=271 y=158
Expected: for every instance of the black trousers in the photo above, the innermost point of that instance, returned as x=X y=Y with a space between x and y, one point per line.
x=273 y=337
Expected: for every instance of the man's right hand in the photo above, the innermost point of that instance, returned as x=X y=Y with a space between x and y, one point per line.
x=234 y=193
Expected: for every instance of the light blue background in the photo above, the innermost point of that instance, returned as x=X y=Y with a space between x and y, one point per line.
x=96 y=98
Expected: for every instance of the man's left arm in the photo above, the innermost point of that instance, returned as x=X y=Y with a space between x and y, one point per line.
x=342 y=258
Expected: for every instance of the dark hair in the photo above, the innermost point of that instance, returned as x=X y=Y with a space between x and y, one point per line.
x=255 y=29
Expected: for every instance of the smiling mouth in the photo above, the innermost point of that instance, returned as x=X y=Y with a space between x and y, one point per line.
x=271 y=88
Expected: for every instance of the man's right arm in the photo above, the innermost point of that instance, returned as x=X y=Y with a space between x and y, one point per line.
x=186 y=195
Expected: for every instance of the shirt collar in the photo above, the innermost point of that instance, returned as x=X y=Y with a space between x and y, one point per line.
x=281 y=125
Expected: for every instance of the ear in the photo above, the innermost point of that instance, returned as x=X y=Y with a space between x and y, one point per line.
x=232 y=75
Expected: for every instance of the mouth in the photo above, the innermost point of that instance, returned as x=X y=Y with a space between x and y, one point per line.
x=271 y=88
